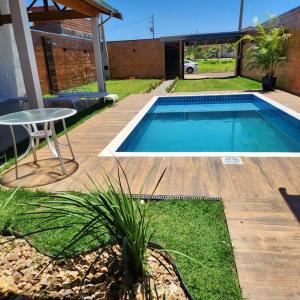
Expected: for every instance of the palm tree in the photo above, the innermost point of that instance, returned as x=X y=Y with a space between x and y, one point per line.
x=267 y=50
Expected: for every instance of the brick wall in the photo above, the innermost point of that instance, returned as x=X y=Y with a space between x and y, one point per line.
x=288 y=73
x=73 y=60
x=75 y=27
x=78 y=27
x=138 y=58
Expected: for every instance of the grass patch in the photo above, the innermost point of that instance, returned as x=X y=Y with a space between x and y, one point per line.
x=195 y=228
x=216 y=65
x=203 y=85
x=121 y=87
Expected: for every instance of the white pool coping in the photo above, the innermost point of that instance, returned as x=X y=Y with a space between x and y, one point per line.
x=111 y=149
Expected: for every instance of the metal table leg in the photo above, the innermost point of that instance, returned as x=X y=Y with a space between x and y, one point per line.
x=48 y=140
x=15 y=150
x=57 y=148
x=67 y=137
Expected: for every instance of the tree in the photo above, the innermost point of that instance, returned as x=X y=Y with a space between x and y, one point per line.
x=267 y=49
x=229 y=47
x=188 y=51
x=213 y=51
x=199 y=52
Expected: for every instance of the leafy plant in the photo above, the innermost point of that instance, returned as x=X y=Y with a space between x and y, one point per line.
x=213 y=52
x=189 y=51
x=267 y=49
x=199 y=52
x=229 y=47
x=111 y=211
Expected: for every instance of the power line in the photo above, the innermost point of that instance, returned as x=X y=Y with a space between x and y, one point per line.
x=129 y=24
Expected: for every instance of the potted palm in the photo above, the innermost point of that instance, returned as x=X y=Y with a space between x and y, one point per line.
x=266 y=52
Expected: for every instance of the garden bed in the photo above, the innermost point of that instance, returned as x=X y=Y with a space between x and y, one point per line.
x=196 y=228
x=26 y=272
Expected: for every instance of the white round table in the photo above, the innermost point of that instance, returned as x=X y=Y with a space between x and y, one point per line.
x=29 y=119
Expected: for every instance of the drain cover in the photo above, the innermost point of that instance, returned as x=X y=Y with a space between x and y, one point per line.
x=232 y=160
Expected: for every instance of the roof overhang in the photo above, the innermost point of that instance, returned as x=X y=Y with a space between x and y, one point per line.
x=70 y=9
x=206 y=38
x=91 y=7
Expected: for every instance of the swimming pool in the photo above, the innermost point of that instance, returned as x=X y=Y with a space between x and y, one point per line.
x=245 y=124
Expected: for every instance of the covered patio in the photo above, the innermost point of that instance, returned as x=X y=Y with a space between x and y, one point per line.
x=20 y=17
x=174 y=51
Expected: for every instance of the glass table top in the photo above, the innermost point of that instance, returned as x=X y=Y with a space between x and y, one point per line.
x=36 y=116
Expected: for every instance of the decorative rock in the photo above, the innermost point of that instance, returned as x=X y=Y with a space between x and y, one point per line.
x=66 y=285
x=17 y=277
x=12 y=257
x=44 y=282
x=104 y=270
x=7 y=273
x=4 y=286
x=21 y=266
x=68 y=294
x=27 y=287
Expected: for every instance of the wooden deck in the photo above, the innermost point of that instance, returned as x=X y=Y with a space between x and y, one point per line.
x=261 y=197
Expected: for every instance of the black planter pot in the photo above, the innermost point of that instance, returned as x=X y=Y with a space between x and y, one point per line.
x=269 y=83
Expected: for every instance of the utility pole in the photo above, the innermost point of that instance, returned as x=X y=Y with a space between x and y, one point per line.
x=239 y=51
x=241 y=15
x=152 y=26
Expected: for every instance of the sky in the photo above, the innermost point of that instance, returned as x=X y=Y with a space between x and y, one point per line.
x=172 y=17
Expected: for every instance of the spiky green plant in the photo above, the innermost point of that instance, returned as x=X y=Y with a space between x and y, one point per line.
x=105 y=211
x=267 y=49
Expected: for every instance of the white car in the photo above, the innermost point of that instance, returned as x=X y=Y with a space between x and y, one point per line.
x=190 y=67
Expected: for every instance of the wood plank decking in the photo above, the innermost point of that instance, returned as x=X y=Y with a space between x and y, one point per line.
x=261 y=197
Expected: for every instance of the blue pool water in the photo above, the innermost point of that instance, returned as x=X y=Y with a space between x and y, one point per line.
x=224 y=123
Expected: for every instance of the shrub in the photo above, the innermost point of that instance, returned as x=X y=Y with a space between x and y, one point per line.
x=267 y=49
x=111 y=211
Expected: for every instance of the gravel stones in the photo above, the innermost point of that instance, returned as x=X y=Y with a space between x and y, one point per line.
x=24 y=272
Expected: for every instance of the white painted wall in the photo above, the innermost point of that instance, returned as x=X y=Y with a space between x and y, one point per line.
x=11 y=78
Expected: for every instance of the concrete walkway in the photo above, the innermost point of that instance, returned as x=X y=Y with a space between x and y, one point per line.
x=161 y=89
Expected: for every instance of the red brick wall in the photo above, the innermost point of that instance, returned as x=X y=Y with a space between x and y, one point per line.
x=139 y=59
x=73 y=60
x=289 y=72
x=83 y=25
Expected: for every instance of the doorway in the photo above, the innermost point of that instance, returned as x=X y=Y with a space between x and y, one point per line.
x=173 y=60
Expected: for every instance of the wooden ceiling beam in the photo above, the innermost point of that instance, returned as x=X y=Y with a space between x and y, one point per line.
x=50 y=15
x=46 y=5
x=80 y=6
x=31 y=4
x=56 y=5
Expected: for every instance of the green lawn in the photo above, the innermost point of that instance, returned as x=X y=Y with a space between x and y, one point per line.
x=203 y=85
x=216 y=65
x=196 y=228
x=122 y=87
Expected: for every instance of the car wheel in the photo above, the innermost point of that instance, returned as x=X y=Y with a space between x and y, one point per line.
x=190 y=70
